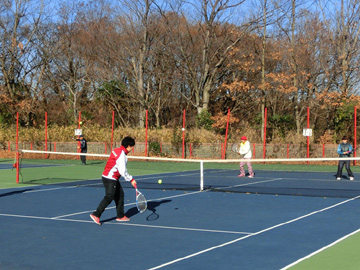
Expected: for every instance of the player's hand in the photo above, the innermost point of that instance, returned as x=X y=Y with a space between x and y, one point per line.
x=133 y=182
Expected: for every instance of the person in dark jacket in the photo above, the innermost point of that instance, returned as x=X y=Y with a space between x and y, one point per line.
x=83 y=148
x=344 y=150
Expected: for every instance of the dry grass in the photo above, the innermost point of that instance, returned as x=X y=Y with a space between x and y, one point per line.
x=95 y=133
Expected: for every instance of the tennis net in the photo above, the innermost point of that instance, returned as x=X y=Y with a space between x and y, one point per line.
x=300 y=177
x=64 y=168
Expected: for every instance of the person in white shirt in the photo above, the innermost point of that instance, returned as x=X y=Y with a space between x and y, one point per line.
x=245 y=152
x=115 y=167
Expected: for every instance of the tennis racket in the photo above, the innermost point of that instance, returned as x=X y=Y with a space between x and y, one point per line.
x=141 y=202
x=234 y=148
x=352 y=151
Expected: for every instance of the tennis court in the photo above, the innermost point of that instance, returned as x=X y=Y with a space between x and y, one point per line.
x=241 y=223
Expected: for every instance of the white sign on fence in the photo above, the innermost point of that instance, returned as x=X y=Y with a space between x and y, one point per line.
x=78 y=131
x=307 y=132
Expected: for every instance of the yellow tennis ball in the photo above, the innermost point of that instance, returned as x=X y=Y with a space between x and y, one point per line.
x=80 y=123
x=159 y=181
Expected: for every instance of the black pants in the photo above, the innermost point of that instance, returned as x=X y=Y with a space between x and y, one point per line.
x=83 y=158
x=113 y=191
x=347 y=167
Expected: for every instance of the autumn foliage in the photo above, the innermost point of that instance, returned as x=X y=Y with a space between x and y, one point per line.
x=96 y=58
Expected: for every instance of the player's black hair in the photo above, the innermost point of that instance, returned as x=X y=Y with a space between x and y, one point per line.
x=128 y=141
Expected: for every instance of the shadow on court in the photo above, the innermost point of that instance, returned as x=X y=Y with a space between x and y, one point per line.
x=151 y=207
x=15 y=192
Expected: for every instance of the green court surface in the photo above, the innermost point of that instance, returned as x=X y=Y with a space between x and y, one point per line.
x=343 y=255
x=8 y=176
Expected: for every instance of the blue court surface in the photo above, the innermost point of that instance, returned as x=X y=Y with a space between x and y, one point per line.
x=48 y=227
x=7 y=166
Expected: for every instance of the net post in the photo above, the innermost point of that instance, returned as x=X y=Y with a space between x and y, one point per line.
x=201 y=175
x=17 y=167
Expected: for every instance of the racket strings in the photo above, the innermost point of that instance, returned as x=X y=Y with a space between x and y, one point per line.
x=141 y=203
x=234 y=147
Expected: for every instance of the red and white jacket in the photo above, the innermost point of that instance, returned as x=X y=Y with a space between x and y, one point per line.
x=116 y=165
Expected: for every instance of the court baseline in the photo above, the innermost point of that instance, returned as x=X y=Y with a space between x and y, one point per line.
x=253 y=234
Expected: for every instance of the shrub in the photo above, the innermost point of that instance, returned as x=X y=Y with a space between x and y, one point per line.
x=203 y=120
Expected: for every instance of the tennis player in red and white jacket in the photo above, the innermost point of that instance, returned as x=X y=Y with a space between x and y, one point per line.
x=115 y=168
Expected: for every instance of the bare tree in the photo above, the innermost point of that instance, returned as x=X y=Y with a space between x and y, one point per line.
x=205 y=44
x=73 y=57
x=135 y=23
x=294 y=46
x=344 y=19
x=19 y=62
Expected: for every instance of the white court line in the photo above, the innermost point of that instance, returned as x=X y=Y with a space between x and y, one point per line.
x=287 y=178
x=218 y=246
x=61 y=218
x=183 y=229
x=163 y=198
x=129 y=224
x=47 y=189
x=254 y=234
x=272 y=180
x=320 y=250
x=252 y=183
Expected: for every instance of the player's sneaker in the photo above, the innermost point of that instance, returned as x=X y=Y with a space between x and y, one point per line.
x=241 y=175
x=338 y=178
x=124 y=218
x=251 y=176
x=95 y=219
x=351 y=178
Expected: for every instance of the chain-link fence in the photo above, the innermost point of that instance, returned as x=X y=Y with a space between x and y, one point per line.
x=203 y=151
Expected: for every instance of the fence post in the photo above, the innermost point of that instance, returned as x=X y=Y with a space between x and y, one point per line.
x=287 y=151
x=264 y=147
x=17 y=167
x=190 y=150
x=308 y=137
x=355 y=127
x=17 y=131
x=183 y=135
x=146 y=133
x=226 y=133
